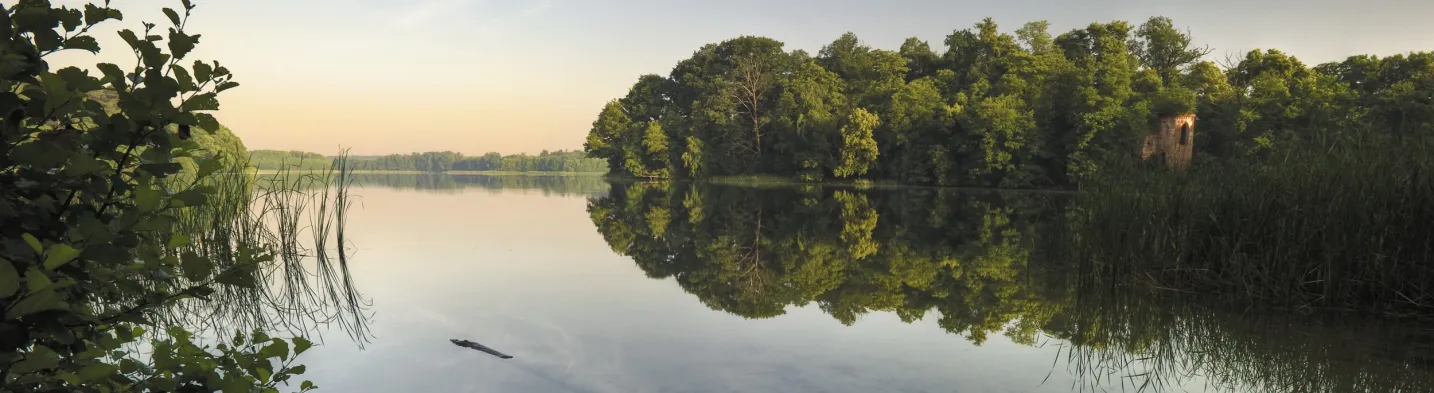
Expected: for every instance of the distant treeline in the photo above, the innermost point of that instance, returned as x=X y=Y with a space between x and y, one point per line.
x=987 y=107
x=557 y=161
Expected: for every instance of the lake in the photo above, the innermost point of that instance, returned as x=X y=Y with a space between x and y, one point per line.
x=597 y=287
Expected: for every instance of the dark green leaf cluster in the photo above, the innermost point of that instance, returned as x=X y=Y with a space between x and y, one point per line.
x=95 y=173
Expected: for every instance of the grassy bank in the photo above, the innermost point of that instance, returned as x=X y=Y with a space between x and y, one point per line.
x=1339 y=227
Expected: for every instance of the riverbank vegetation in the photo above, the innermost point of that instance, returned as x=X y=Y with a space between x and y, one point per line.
x=1343 y=227
x=993 y=108
x=126 y=223
x=447 y=161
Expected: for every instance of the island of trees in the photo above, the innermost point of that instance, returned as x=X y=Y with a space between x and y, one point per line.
x=1020 y=109
x=444 y=161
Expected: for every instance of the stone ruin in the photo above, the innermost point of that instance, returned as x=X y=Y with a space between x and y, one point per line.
x=1173 y=145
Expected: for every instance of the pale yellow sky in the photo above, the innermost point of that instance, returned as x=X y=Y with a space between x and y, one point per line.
x=386 y=76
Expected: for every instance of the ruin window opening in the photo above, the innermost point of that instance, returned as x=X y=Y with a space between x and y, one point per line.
x=1185 y=134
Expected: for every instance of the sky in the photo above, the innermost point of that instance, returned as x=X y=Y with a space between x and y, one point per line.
x=474 y=76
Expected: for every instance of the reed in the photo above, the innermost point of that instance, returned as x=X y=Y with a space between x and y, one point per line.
x=1343 y=226
x=263 y=221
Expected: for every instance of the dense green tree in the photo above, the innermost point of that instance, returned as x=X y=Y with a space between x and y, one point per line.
x=608 y=136
x=1166 y=50
x=1020 y=109
x=858 y=148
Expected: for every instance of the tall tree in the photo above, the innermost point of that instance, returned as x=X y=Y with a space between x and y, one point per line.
x=1165 y=49
x=607 y=137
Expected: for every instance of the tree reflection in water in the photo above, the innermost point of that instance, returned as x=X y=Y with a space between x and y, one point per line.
x=986 y=263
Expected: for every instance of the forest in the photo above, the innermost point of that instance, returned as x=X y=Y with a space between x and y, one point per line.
x=556 y=161
x=1022 y=109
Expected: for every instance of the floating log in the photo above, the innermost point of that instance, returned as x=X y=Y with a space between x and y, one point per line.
x=480 y=347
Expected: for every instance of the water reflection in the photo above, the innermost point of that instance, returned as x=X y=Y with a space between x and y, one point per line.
x=664 y=288
x=984 y=264
x=584 y=184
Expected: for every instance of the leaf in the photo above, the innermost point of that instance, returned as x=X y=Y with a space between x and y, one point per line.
x=40 y=358
x=60 y=254
x=128 y=366
x=34 y=243
x=240 y=276
x=32 y=19
x=196 y=268
x=70 y=18
x=47 y=40
x=186 y=82
x=36 y=280
x=202 y=72
x=44 y=300
x=173 y=16
x=191 y=197
x=207 y=167
x=130 y=38
x=9 y=279
x=83 y=42
x=277 y=348
x=177 y=241
x=201 y=102
x=207 y=121
x=146 y=198
x=83 y=164
x=161 y=169
x=181 y=44
x=297 y=370
x=94 y=14
x=113 y=75
x=234 y=383
x=201 y=292
x=263 y=374
x=307 y=385
x=96 y=372
x=226 y=86
x=301 y=344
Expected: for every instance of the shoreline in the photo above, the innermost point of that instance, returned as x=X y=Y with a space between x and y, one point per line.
x=486 y=173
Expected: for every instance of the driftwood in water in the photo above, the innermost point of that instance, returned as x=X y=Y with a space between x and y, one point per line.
x=480 y=347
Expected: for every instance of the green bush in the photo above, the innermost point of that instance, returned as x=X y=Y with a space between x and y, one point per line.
x=91 y=195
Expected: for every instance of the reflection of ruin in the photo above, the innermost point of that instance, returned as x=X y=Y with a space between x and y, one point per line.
x=1173 y=145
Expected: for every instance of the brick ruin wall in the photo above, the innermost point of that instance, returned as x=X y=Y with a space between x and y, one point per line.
x=1168 y=145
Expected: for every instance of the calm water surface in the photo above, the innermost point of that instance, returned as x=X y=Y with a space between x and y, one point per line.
x=644 y=288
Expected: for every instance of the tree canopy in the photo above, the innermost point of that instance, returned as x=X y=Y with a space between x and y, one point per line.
x=1022 y=109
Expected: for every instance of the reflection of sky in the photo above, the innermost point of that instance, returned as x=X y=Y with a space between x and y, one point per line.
x=529 y=275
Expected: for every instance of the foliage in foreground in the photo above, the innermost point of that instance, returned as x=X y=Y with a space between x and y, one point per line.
x=91 y=261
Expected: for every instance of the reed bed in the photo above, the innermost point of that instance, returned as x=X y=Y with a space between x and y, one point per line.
x=262 y=222
x=1346 y=226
